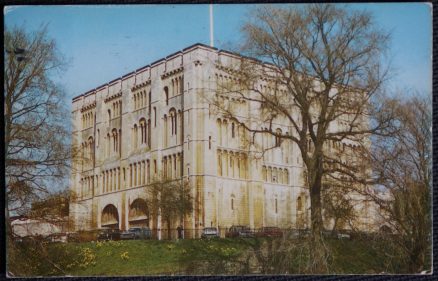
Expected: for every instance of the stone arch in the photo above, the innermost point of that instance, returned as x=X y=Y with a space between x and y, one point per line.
x=110 y=216
x=138 y=213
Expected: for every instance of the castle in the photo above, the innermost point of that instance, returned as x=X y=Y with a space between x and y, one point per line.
x=155 y=122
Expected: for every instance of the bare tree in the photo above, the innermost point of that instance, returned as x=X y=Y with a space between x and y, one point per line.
x=403 y=165
x=36 y=148
x=338 y=207
x=323 y=79
x=170 y=199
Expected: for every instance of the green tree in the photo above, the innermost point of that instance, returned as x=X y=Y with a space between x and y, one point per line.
x=170 y=199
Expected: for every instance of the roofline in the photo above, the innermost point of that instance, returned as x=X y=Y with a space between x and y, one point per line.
x=185 y=50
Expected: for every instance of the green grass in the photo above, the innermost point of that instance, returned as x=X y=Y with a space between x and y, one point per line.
x=144 y=257
x=152 y=257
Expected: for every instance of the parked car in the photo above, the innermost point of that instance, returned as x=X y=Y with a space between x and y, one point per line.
x=239 y=231
x=210 y=232
x=73 y=237
x=106 y=234
x=136 y=233
x=57 y=237
x=269 y=231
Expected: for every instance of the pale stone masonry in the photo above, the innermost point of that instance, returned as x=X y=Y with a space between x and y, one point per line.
x=155 y=122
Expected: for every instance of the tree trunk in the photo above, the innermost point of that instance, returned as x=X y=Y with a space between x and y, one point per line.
x=318 y=251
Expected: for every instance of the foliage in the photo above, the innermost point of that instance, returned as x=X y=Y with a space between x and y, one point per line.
x=171 y=199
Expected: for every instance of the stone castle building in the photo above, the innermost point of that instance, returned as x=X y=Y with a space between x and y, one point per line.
x=156 y=123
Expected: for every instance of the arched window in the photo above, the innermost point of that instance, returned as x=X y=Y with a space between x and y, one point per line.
x=278 y=137
x=91 y=148
x=149 y=133
x=232 y=203
x=233 y=134
x=173 y=120
x=166 y=95
x=150 y=101
x=286 y=176
x=276 y=206
x=299 y=204
x=108 y=144
x=115 y=140
x=135 y=135
x=143 y=130
x=155 y=117
x=135 y=101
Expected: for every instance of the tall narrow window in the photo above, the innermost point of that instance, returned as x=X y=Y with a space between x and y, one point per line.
x=232 y=130
x=232 y=203
x=209 y=142
x=150 y=101
x=155 y=117
x=166 y=94
x=276 y=206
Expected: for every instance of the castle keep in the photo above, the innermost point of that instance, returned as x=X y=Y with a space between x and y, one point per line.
x=156 y=122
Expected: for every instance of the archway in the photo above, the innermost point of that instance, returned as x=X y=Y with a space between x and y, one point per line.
x=110 y=217
x=138 y=213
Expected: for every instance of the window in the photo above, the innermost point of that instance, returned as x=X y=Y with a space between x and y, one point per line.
x=209 y=142
x=155 y=117
x=150 y=101
x=232 y=130
x=276 y=205
x=109 y=114
x=166 y=94
x=115 y=140
x=278 y=137
x=143 y=130
x=135 y=135
x=232 y=203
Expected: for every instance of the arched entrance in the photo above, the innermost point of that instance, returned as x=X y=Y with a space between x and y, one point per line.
x=138 y=213
x=110 y=217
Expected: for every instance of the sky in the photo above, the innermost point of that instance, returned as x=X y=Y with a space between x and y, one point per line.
x=102 y=43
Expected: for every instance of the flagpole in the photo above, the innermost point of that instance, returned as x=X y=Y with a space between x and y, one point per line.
x=211 y=25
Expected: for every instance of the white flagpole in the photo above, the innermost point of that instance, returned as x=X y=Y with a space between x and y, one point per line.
x=211 y=25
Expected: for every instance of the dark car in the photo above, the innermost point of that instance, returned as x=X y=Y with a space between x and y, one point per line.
x=106 y=234
x=136 y=233
x=210 y=232
x=73 y=237
x=269 y=231
x=239 y=231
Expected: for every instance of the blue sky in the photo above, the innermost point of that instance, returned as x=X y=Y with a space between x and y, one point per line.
x=106 y=42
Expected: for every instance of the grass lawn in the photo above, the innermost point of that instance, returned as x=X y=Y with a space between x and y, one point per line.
x=152 y=257
x=142 y=257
